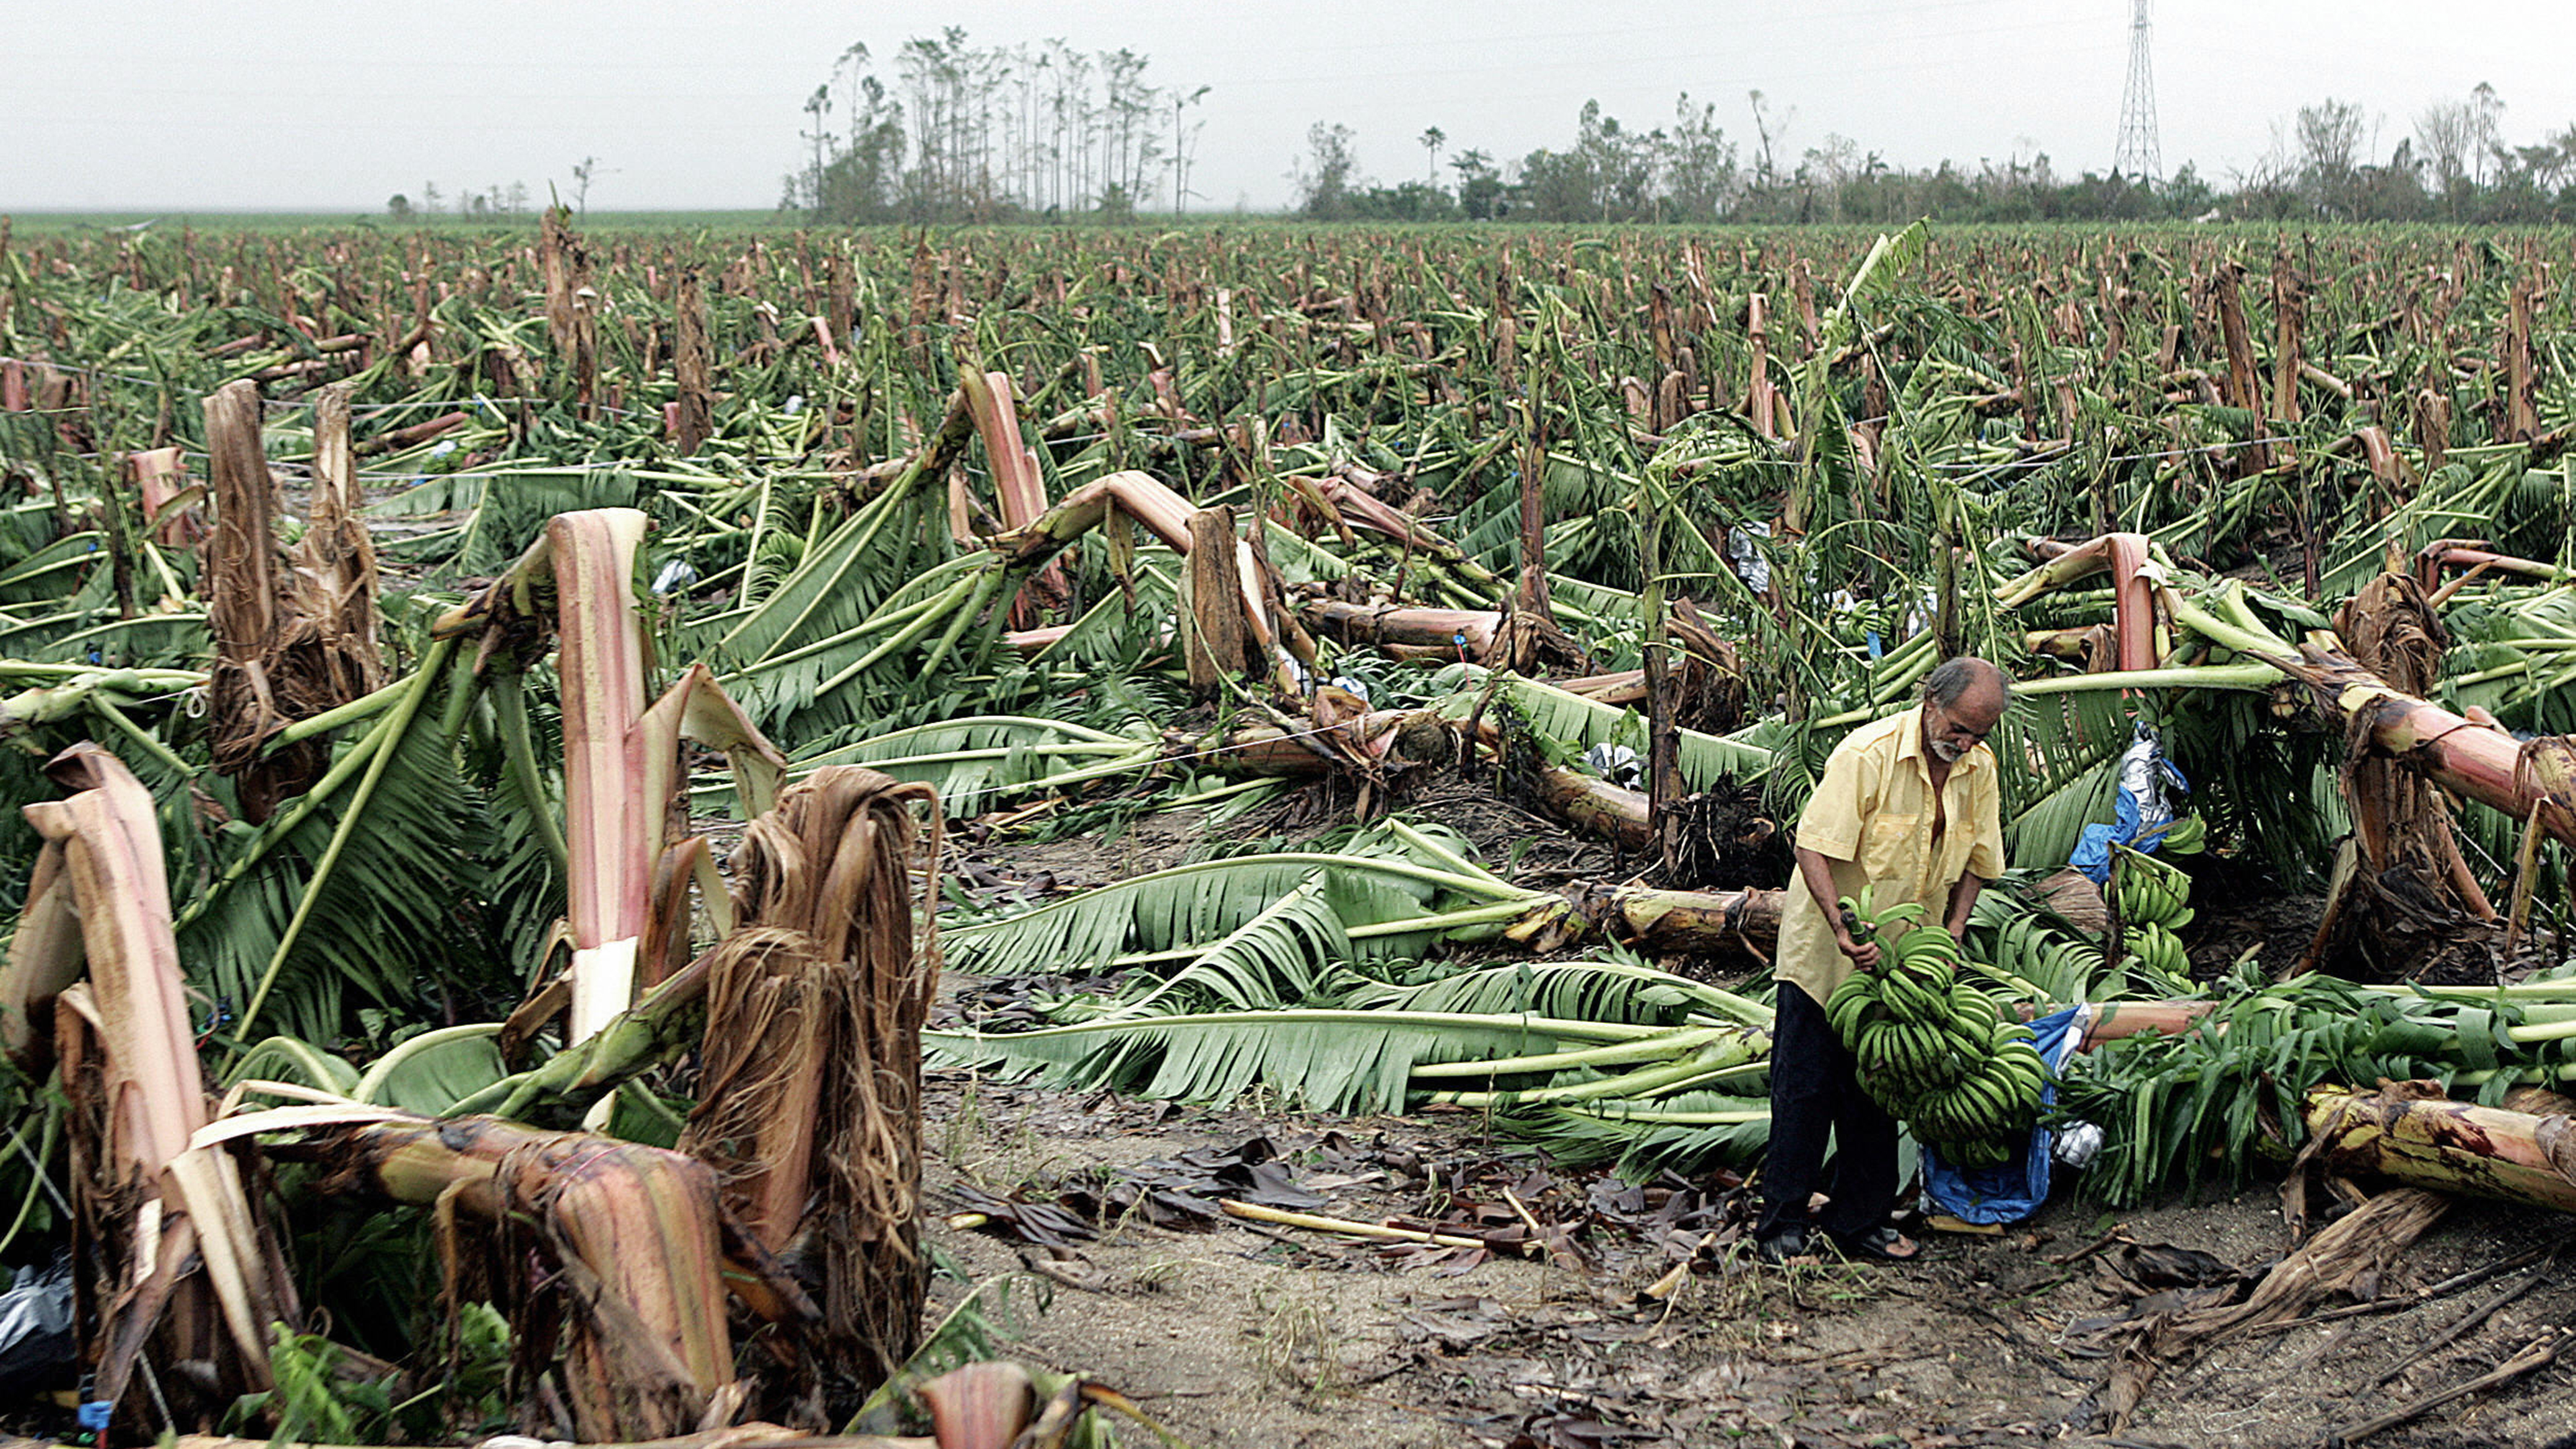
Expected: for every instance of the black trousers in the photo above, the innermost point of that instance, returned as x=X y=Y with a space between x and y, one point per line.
x=1814 y=1097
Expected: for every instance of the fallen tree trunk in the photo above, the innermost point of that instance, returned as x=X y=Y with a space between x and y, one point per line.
x=2474 y=557
x=1451 y=633
x=2529 y=780
x=2413 y=1133
x=412 y=436
x=1358 y=506
x=1595 y=806
x=1686 y=921
x=1166 y=515
x=1586 y=802
x=1376 y=738
x=2523 y=779
x=1623 y=686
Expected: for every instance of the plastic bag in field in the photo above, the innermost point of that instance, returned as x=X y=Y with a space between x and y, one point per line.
x=1750 y=565
x=1617 y=764
x=2014 y=1191
x=2140 y=807
x=38 y=1350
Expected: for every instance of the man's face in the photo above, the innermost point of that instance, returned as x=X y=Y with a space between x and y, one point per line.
x=1951 y=730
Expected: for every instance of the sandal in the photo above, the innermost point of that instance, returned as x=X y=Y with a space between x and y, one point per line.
x=1783 y=1247
x=1880 y=1245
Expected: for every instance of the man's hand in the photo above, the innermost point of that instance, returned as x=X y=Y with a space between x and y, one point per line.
x=1817 y=874
x=1963 y=904
x=1863 y=954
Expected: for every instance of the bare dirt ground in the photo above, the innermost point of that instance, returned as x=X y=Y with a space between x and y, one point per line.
x=1236 y=1333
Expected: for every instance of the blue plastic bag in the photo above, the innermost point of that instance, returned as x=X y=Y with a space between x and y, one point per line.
x=2138 y=807
x=2014 y=1191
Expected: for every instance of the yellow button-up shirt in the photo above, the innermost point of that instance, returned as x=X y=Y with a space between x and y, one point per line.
x=1872 y=819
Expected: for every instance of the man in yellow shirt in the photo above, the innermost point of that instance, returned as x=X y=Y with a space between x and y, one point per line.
x=1910 y=807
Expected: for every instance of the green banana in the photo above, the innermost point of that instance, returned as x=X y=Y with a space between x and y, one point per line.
x=1933 y=1047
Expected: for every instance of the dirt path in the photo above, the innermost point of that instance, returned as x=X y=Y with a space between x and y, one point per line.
x=1239 y=1335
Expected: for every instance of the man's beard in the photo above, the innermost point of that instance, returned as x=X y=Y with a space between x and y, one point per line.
x=1946 y=752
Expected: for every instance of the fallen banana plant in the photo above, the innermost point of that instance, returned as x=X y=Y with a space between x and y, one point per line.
x=177 y=1266
x=2413 y=1133
x=1260 y=929
x=1384 y=1049
x=1264 y=929
x=609 y=1258
x=2521 y=779
x=1254 y=969
x=951 y=604
x=2228 y=1082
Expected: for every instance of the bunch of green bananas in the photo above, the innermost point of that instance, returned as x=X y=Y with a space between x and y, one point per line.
x=1929 y=1046
x=2152 y=898
x=2152 y=893
x=2158 y=951
x=2184 y=836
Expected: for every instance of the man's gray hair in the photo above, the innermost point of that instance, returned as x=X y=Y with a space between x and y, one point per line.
x=1952 y=678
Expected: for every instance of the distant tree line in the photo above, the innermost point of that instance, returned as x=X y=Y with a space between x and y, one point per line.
x=960 y=132
x=949 y=131
x=492 y=203
x=2454 y=166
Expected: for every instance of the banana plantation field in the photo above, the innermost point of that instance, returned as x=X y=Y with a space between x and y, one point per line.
x=1077 y=837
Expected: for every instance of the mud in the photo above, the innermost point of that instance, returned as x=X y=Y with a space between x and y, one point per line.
x=1251 y=1335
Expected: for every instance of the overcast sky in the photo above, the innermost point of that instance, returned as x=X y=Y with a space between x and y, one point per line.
x=260 y=104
